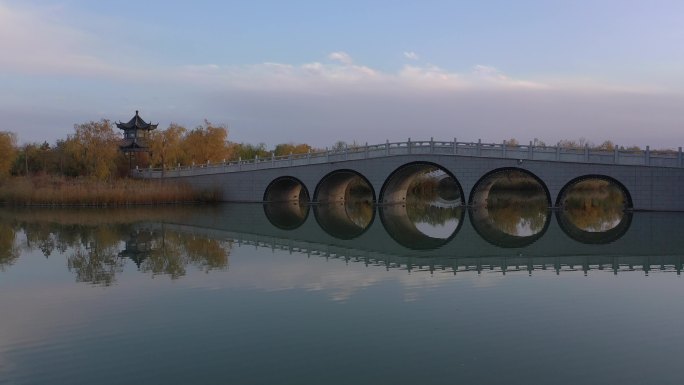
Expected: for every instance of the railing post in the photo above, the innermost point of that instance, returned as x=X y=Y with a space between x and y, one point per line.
x=327 y=155
x=503 y=149
x=239 y=163
x=679 y=157
x=256 y=161
x=455 y=146
x=530 y=154
x=308 y=157
x=291 y=158
x=387 y=147
x=273 y=159
x=408 y=145
x=647 y=155
x=432 y=145
x=586 y=152
x=366 y=151
x=558 y=149
x=478 y=150
x=616 y=155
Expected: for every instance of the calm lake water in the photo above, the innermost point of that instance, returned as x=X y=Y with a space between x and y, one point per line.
x=340 y=294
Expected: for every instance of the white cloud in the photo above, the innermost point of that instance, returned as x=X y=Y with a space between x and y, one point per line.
x=341 y=57
x=411 y=55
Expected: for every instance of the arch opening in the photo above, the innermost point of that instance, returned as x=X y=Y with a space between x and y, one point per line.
x=286 y=189
x=421 y=182
x=422 y=205
x=344 y=220
x=286 y=215
x=510 y=207
x=594 y=204
x=344 y=186
x=345 y=204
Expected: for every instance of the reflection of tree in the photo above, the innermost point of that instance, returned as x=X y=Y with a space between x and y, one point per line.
x=431 y=184
x=93 y=239
x=8 y=249
x=171 y=252
x=358 y=202
x=516 y=200
x=509 y=219
x=96 y=265
x=95 y=253
x=359 y=212
x=594 y=205
x=425 y=212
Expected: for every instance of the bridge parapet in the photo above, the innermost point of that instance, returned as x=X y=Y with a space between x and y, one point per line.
x=668 y=159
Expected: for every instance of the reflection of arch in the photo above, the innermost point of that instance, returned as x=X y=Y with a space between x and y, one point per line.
x=333 y=186
x=573 y=182
x=338 y=218
x=286 y=215
x=286 y=189
x=480 y=190
x=479 y=218
x=395 y=187
x=403 y=230
x=594 y=238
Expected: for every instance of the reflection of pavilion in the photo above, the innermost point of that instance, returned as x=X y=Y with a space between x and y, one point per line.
x=138 y=247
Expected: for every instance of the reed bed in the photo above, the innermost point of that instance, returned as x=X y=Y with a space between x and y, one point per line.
x=60 y=191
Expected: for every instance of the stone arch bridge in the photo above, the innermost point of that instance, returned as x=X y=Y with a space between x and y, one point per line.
x=650 y=180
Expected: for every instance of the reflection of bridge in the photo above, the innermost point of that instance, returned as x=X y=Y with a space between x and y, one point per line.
x=650 y=241
x=651 y=181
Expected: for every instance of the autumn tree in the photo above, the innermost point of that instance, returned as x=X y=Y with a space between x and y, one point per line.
x=167 y=146
x=206 y=143
x=291 y=148
x=8 y=152
x=94 y=149
x=248 y=151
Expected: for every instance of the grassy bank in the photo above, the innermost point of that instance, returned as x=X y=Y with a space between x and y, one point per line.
x=61 y=191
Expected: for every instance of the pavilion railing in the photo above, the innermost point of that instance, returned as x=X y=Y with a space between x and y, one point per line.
x=504 y=150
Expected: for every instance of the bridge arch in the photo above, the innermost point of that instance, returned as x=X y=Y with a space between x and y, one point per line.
x=286 y=189
x=344 y=220
x=400 y=226
x=593 y=237
x=395 y=188
x=339 y=185
x=286 y=215
x=481 y=189
x=627 y=203
x=494 y=234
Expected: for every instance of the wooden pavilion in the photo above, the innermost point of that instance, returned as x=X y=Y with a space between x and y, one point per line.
x=136 y=132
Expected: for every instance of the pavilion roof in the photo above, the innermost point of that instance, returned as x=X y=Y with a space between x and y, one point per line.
x=136 y=123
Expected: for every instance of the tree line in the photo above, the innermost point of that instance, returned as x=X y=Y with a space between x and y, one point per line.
x=92 y=150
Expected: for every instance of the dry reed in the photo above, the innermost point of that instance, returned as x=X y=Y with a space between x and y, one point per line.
x=60 y=191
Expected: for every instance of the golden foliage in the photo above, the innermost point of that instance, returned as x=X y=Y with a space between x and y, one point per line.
x=167 y=146
x=8 y=152
x=94 y=149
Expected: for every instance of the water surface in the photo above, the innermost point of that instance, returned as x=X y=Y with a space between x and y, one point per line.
x=292 y=294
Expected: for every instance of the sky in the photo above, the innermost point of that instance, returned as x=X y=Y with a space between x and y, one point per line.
x=367 y=71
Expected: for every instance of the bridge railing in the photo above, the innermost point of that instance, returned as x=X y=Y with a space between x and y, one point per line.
x=476 y=149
